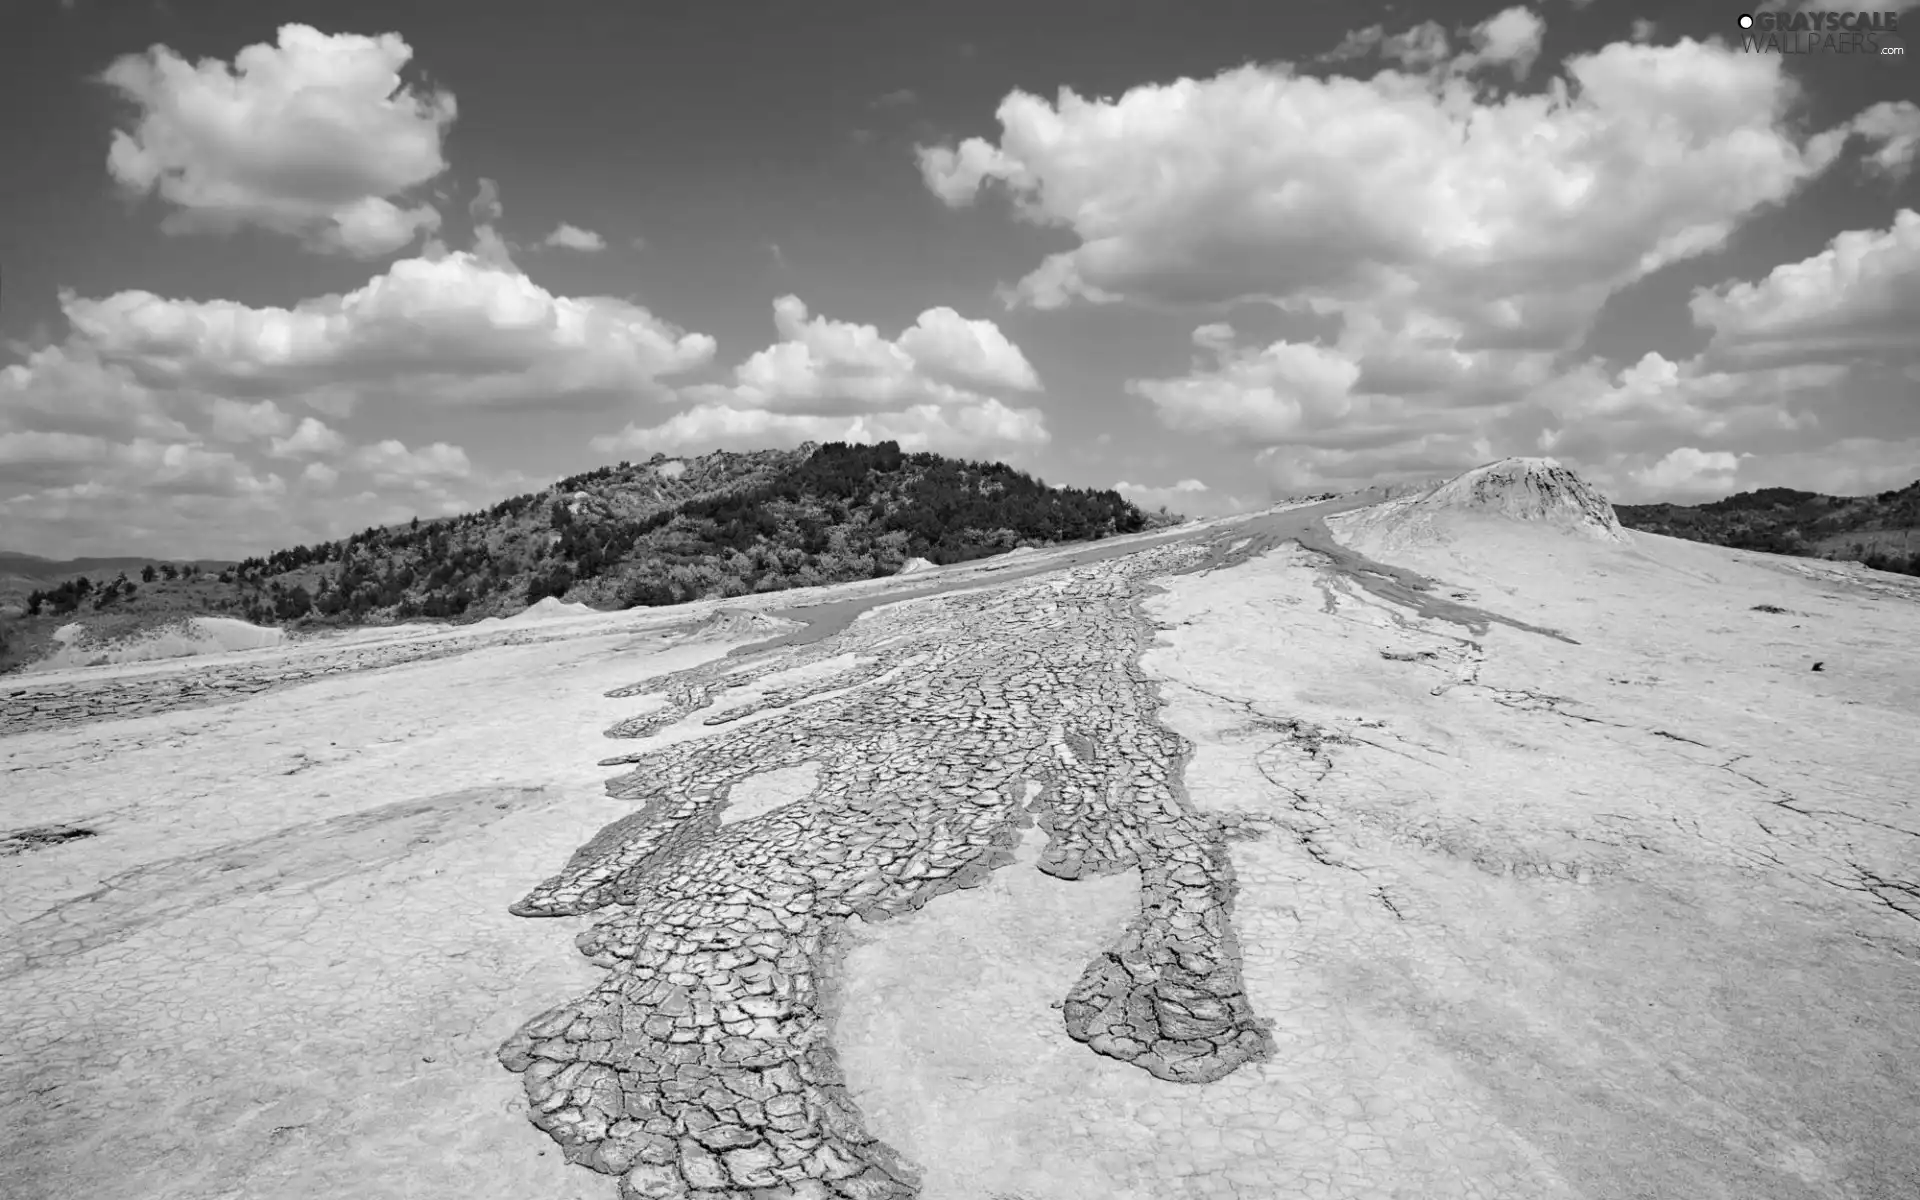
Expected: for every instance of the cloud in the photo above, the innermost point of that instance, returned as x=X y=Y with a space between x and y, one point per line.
x=1686 y=475
x=312 y=437
x=572 y=237
x=898 y=98
x=1265 y=394
x=1424 y=45
x=485 y=207
x=67 y=494
x=1510 y=38
x=1189 y=497
x=390 y=464
x=1514 y=216
x=241 y=422
x=1688 y=471
x=451 y=331
x=822 y=364
x=975 y=428
x=1454 y=243
x=490 y=246
x=314 y=137
x=930 y=387
x=198 y=402
x=1894 y=128
x=1858 y=297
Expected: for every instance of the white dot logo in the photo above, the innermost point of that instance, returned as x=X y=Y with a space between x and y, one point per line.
x=1746 y=21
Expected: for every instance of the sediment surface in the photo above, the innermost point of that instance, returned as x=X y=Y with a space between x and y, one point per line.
x=1263 y=858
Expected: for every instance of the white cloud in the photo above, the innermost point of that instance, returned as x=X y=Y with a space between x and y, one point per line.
x=454 y=330
x=1188 y=497
x=932 y=387
x=313 y=437
x=315 y=137
x=1514 y=216
x=1893 y=128
x=240 y=422
x=829 y=367
x=1265 y=394
x=68 y=388
x=1655 y=401
x=391 y=463
x=572 y=237
x=1687 y=471
x=131 y=403
x=1456 y=243
x=67 y=494
x=1510 y=38
x=936 y=386
x=1643 y=30
x=1859 y=296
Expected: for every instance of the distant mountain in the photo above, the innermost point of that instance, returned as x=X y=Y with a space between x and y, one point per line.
x=1881 y=531
x=661 y=532
x=22 y=574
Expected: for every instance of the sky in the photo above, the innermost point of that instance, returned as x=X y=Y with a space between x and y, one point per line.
x=272 y=272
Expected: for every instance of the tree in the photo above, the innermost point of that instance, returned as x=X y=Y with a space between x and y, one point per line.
x=170 y=571
x=292 y=603
x=147 y=573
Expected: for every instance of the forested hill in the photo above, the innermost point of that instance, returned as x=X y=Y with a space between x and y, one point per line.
x=660 y=532
x=1881 y=531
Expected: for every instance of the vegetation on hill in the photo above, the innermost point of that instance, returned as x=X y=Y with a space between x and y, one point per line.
x=1880 y=531
x=661 y=532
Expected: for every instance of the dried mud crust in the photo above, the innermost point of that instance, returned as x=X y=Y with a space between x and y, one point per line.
x=702 y=1065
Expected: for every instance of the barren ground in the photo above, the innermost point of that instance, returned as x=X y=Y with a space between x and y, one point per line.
x=1634 y=911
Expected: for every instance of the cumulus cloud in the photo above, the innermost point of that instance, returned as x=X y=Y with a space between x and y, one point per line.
x=390 y=463
x=454 y=330
x=1408 y=188
x=1455 y=241
x=1686 y=470
x=933 y=386
x=1188 y=497
x=572 y=237
x=1265 y=393
x=315 y=136
x=312 y=437
x=941 y=359
x=149 y=395
x=1510 y=38
x=1860 y=296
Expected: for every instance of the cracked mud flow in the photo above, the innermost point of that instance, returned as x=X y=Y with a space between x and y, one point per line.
x=703 y=1062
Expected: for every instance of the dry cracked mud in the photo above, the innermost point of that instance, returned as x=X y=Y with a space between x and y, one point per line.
x=703 y=1062
x=1263 y=859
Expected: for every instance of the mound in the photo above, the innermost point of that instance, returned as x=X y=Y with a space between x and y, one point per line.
x=914 y=564
x=1536 y=491
x=730 y=624
x=551 y=608
x=181 y=639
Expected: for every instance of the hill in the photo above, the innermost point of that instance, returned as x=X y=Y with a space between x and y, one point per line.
x=1881 y=531
x=661 y=532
